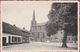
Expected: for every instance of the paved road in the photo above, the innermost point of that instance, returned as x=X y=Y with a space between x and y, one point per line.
x=37 y=46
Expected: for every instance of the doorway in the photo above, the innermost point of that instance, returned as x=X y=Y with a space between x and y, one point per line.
x=4 y=41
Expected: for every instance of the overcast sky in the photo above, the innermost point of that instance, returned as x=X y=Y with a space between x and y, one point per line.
x=21 y=13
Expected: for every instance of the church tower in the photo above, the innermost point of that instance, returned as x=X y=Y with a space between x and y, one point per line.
x=33 y=22
x=38 y=32
x=33 y=29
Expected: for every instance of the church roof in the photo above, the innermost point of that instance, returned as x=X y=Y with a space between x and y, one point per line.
x=40 y=24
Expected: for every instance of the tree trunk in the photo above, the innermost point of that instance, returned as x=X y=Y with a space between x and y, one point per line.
x=65 y=40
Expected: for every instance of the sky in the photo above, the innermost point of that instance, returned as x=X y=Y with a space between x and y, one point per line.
x=21 y=13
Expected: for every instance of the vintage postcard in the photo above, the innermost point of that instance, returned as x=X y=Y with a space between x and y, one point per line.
x=40 y=26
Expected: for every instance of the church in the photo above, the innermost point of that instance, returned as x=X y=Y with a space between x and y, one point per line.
x=38 y=30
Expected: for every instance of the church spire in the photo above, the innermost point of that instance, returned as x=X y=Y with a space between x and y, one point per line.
x=33 y=19
x=33 y=23
x=34 y=15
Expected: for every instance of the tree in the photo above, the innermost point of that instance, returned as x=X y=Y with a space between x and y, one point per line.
x=62 y=16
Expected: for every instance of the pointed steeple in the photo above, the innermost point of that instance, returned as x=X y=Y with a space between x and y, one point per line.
x=33 y=23
x=33 y=14
x=33 y=19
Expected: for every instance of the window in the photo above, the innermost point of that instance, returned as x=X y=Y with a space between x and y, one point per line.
x=33 y=33
x=38 y=34
x=40 y=27
x=33 y=28
x=13 y=39
x=4 y=40
x=19 y=39
x=69 y=38
x=9 y=39
x=43 y=35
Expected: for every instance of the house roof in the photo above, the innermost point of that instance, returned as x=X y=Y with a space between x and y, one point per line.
x=40 y=24
x=12 y=29
x=25 y=31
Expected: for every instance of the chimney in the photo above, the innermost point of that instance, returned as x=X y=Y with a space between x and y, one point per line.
x=24 y=28
x=14 y=25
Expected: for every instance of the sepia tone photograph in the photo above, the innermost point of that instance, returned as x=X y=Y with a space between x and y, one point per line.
x=39 y=26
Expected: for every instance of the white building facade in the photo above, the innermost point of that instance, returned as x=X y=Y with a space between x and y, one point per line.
x=14 y=35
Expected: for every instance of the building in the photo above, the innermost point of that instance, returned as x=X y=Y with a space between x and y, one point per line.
x=26 y=36
x=71 y=38
x=58 y=37
x=13 y=34
x=37 y=30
